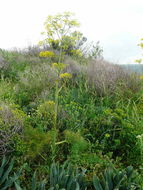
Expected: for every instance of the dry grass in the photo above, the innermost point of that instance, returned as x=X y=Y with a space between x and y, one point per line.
x=106 y=77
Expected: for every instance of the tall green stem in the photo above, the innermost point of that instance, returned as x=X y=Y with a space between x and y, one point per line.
x=56 y=103
x=55 y=120
x=57 y=90
x=60 y=55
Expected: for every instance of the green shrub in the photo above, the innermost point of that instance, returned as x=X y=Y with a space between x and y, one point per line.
x=77 y=143
x=7 y=92
x=17 y=63
x=46 y=115
x=115 y=130
x=12 y=121
x=37 y=143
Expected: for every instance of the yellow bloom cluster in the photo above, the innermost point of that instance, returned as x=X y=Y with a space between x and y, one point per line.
x=59 y=66
x=55 y=64
x=141 y=77
x=65 y=76
x=46 y=109
x=51 y=102
x=46 y=54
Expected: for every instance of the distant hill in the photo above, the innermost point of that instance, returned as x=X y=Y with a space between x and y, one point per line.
x=138 y=68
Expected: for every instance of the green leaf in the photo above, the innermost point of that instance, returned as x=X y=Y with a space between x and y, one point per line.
x=96 y=183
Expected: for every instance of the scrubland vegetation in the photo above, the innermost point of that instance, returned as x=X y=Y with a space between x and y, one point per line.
x=68 y=118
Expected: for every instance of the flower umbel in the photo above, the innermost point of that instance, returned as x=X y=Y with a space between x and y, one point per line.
x=65 y=76
x=46 y=54
x=59 y=66
x=55 y=64
x=50 y=102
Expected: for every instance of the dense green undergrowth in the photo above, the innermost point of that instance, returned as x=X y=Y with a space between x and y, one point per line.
x=98 y=123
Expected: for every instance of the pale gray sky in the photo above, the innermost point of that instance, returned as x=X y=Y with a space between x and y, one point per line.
x=117 y=24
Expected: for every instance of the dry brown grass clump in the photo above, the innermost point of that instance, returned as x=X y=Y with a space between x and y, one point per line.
x=104 y=77
x=73 y=67
x=108 y=78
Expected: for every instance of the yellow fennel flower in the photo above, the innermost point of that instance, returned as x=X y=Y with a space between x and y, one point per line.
x=46 y=54
x=51 y=102
x=141 y=77
x=65 y=76
x=55 y=65
x=59 y=66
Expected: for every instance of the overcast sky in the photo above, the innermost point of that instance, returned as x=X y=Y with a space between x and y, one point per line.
x=117 y=24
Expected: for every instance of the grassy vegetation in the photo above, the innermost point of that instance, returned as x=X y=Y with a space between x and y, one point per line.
x=76 y=123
